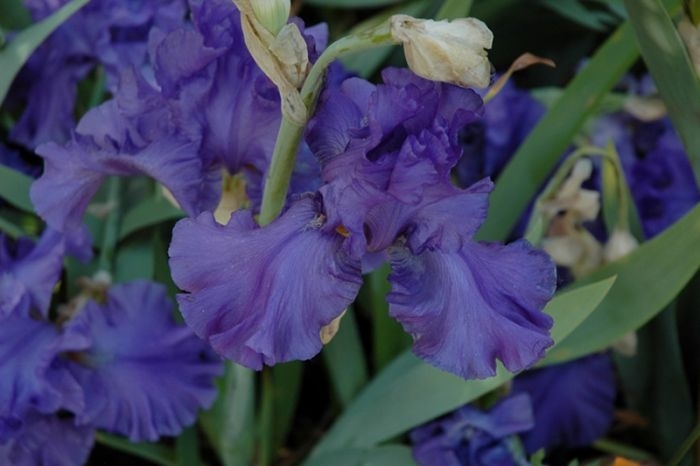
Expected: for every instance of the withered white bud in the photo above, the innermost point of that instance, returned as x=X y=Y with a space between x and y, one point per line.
x=620 y=243
x=272 y=14
x=584 y=203
x=627 y=345
x=447 y=51
x=691 y=37
x=328 y=331
x=284 y=59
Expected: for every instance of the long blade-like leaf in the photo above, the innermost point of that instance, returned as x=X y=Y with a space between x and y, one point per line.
x=18 y=51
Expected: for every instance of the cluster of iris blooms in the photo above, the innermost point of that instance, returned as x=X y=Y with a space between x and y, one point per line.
x=372 y=183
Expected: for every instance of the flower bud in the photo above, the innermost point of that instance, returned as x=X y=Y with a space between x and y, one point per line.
x=272 y=14
x=620 y=243
x=328 y=331
x=447 y=51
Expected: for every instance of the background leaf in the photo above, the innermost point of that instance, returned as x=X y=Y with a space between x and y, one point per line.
x=665 y=56
x=16 y=53
x=655 y=384
x=388 y=455
x=647 y=281
x=14 y=188
x=229 y=423
x=409 y=392
x=345 y=360
x=158 y=454
x=151 y=211
x=352 y=3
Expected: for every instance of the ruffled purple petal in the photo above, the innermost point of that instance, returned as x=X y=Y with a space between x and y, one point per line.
x=467 y=309
x=490 y=143
x=261 y=295
x=37 y=267
x=29 y=380
x=143 y=375
x=46 y=440
x=573 y=402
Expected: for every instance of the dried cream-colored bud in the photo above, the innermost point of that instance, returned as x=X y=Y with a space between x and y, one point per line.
x=289 y=48
x=645 y=108
x=272 y=14
x=627 y=345
x=571 y=197
x=691 y=37
x=284 y=59
x=328 y=332
x=447 y=51
x=620 y=243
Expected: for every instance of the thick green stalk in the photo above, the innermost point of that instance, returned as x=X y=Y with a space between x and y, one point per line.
x=290 y=134
x=110 y=232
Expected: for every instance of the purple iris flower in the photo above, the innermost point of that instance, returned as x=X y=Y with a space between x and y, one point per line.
x=472 y=437
x=111 y=33
x=31 y=376
x=656 y=165
x=573 y=403
x=137 y=133
x=261 y=295
x=491 y=142
x=143 y=375
x=30 y=269
x=47 y=440
x=201 y=106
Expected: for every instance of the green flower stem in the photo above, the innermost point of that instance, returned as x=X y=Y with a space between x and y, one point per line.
x=620 y=449
x=110 y=232
x=685 y=446
x=623 y=201
x=266 y=417
x=290 y=134
x=279 y=176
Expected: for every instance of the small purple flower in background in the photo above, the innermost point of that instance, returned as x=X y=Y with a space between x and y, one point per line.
x=490 y=143
x=30 y=380
x=573 y=403
x=472 y=437
x=31 y=270
x=567 y=405
x=656 y=165
x=110 y=33
x=48 y=440
x=143 y=376
x=200 y=105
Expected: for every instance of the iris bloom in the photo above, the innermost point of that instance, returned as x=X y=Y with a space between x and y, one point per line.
x=262 y=295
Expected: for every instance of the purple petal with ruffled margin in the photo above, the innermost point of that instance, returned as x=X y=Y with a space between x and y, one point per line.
x=261 y=295
x=112 y=33
x=467 y=309
x=490 y=143
x=469 y=436
x=662 y=183
x=46 y=440
x=143 y=375
x=62 y=204
x=29 y=377
x=445 y=218
x=573 y=402
x=37 y=267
